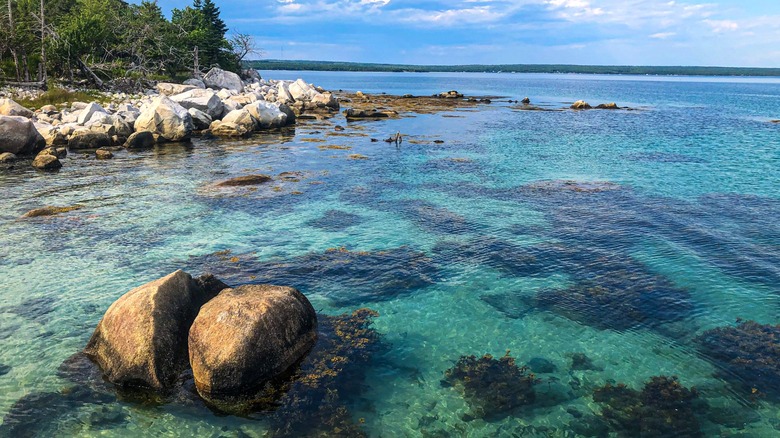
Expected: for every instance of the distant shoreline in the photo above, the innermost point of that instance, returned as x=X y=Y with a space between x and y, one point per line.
x=274 y=64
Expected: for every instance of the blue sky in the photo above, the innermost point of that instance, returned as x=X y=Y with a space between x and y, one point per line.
x=635 y=32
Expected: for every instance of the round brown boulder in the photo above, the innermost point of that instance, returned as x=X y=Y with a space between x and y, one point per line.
x=247 y=336
x=142 y=339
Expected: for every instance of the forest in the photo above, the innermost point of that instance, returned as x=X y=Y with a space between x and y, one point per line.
x=513 y=68
x=94 y=41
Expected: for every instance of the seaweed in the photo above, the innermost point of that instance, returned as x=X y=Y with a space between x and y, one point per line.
x=47 y=413
x=663 y=408
x=619 y=296
x=492 y=387
x=346 y=277
x=315 y=402
x=748 y=354
x=336 y=220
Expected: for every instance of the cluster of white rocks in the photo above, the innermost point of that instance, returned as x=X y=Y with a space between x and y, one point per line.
x=220 y=104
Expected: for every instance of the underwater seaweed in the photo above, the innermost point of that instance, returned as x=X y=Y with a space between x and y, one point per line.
x=750 y=352
x=663 y=408
x=492 y=387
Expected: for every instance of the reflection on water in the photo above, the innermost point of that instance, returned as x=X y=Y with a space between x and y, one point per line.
x=602 y=250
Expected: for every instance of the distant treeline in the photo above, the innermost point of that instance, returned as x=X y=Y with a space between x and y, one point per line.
x=271 y=64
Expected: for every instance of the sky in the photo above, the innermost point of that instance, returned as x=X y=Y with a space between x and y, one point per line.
x=588 y=32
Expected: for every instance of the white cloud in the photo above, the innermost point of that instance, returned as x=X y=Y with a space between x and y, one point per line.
x=721 y=26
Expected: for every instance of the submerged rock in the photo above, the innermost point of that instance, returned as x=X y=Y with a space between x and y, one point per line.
x=4 y=369
x=249 y=180
x=748 y=353
x=248 y=336
x=50 y=211
x=608 y=106
x=46 y=162
x=7 y=157
x=142 y=339
x=581 y=362
x=492 y=388
x=663 y=408
x=541 y=365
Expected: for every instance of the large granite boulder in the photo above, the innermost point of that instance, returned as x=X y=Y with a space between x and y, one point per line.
x=301 y=91
x=283 y=93
x=241 y=117
x=10 y=108
x=93 y=112
x=170 y=89
x=19 y=136
x=219 y=79
x=267 y=114
x=200 y=119
x=247 y=336
x=46 y=162
x=166 y=118
x=84 y=139
x=142 y=339
x=203 y=100
x=140 y=140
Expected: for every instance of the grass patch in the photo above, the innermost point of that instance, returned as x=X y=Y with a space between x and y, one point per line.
x=56 y=96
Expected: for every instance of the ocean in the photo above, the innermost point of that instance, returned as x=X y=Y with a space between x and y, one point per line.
x=596 y=247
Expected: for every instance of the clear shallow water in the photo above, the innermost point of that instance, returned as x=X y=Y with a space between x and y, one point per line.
x=694 y=211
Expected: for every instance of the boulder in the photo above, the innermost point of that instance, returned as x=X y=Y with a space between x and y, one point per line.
x=7 y=157
x=170 y=89
x=608 y=106
x=103 y=154
x=251 y=75
x=52 y=135
x=580 y=105
x=247 y=336
x=325 y=100
x=230 y=105
x=197 y=83
x=228 y=129
x=10 y=108
x=142 y=339
x=49 y=109
x=92 y=111
x=267 y=114
x=46 y=162
x=89 y=140
x=301 y=91
x=57 y=152
x=140 y=140
x=200 y=119
x=283 y=93
x=166 y=118
x=217 y=78
x=203 y=100
x=242 y=118
x=19 y=136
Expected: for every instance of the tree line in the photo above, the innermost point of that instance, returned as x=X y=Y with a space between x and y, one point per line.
x=272 y=64
x=108 y=39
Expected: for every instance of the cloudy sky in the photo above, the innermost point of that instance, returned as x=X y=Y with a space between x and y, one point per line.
x=636 y=32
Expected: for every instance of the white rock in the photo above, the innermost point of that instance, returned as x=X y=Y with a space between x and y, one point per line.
x=267 y=114
x=92 y=110
x=201 y=99
x=241 y=118
x=170 y=89
x=10 y=108
x=219 y=79
x=200 y=119
x=166 y=118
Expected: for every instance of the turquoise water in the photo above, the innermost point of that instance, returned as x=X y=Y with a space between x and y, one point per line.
x=463 y=243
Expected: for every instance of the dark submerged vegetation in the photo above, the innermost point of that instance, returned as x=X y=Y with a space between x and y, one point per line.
x=492 y=387
x=663 y=408
x=748 y=353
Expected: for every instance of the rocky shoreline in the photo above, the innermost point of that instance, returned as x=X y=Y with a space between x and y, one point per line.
x=221 y=104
